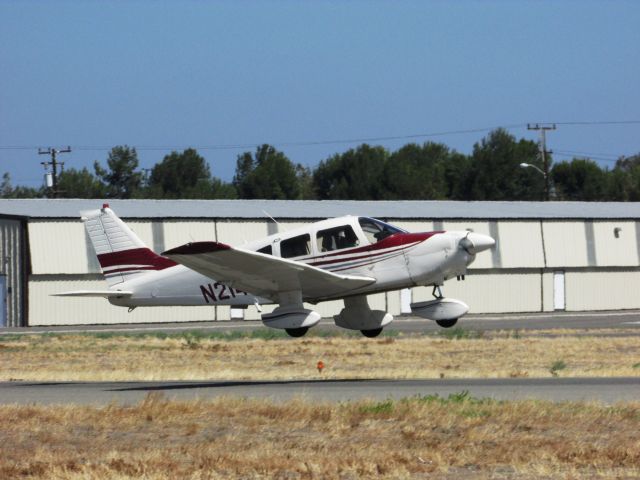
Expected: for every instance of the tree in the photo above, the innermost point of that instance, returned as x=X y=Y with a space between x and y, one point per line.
x=624 y=180
x=458 y=176
x=305 y=182
x=579 y=180
x=7 y=190
x=417 y=172
x=121 y=179
x=496 y=172
x=181 y=175
x=357 y=174
x=74 y=183
x=268 y=174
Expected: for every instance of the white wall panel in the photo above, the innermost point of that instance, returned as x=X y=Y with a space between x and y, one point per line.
x=143 y=229
x=565 y=244
x=599 y=290
x=47 y=310
x=492 y=292
x=393 y=302
x=520 y=245
x=611 y=251
x=177 y=232
x=58 y=247
x=238 y=232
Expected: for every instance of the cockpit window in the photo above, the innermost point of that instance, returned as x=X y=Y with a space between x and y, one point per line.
x=336 y=238
x=375 y=230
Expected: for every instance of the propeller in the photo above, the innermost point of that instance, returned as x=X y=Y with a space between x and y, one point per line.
x=473 y=243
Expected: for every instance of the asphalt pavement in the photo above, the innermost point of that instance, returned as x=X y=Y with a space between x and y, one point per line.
x=627 y=319
x=605 y=390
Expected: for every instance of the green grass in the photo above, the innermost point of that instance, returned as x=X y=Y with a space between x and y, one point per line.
x=192 y=337
x=459 y=333
x=378 y=408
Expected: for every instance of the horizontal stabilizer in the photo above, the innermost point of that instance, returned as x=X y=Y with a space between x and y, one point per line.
x=94 y=293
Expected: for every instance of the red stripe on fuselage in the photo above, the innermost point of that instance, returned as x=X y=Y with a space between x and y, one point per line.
x=135 y=256
x=360 y=257
x=395 y=240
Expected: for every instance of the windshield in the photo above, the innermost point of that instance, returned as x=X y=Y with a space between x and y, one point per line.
x=375 y=230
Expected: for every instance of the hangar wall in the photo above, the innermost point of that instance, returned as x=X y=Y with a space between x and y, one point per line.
x=598 y=261
x=13 y=272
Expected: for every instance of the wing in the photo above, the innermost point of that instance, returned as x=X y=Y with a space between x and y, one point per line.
x=93 y=293
x=261 y=274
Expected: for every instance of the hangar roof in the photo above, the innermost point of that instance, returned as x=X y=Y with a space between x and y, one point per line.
x=70 y=208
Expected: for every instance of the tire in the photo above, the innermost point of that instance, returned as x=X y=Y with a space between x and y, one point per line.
x=447 y=323
x=372 y=333
x=296 y=332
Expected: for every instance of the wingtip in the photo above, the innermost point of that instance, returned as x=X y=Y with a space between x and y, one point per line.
x=197 y=247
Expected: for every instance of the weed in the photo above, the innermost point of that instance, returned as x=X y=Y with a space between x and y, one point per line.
x=377 y=408
x=557 y=366
x=636 y=365
x=192 y=342
x=460 y=333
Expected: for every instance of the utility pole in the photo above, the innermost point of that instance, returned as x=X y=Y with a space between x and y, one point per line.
x=54 y=166
x=543 y=127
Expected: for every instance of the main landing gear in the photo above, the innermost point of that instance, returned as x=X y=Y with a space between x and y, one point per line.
x=373 y=333
x=357 y=315
x=297 y=332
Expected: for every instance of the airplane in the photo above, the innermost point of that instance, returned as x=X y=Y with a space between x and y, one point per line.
x=345 y=258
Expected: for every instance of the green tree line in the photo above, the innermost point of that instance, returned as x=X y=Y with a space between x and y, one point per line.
x=428 y=171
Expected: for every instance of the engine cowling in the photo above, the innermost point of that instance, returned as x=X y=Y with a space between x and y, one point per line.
x=440 y=309
x=291 y=317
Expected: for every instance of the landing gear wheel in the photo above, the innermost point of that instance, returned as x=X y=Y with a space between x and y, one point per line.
x=372 y=333
x=296 y=332
x=447 y=323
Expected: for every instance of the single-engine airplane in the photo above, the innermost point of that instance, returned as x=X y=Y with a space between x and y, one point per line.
x=345 y=258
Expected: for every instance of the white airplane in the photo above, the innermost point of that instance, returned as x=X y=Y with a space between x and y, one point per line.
x=340 y=258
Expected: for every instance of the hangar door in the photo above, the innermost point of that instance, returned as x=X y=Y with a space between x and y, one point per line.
x=558 y=291
x=3 y=300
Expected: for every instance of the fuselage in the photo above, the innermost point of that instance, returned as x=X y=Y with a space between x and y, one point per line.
x=347 y=245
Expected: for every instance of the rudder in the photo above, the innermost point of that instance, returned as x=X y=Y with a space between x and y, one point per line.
x=121 y=254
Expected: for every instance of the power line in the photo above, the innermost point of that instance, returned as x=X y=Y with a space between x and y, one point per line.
x=237 y=146
x=602 y=122
x=286 y=143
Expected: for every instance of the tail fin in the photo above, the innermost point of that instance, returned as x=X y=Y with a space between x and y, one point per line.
x=122 y=255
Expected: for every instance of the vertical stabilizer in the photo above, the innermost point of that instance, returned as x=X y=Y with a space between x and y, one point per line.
x=122 y=255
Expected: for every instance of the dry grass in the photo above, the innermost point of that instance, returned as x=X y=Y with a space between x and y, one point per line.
x=192 y=357
x=459 y=437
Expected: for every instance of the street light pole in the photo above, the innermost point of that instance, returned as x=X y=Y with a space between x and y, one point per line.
x=544 y=174
x=543 y=151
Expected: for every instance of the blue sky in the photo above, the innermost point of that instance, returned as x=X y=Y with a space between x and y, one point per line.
x=164 y=75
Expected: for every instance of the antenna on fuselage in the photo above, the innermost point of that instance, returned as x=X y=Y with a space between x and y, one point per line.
x=280 y=227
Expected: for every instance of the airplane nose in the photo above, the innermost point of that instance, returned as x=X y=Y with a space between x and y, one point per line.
x=477 y=242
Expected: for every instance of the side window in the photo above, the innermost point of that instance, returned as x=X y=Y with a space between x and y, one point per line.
x=336 y=238
x=266 y=250
x=296 y=246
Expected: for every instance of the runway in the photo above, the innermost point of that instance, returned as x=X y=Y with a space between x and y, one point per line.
x=605 y=390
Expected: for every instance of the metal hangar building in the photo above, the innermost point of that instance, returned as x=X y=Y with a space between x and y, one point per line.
x=573 y=256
